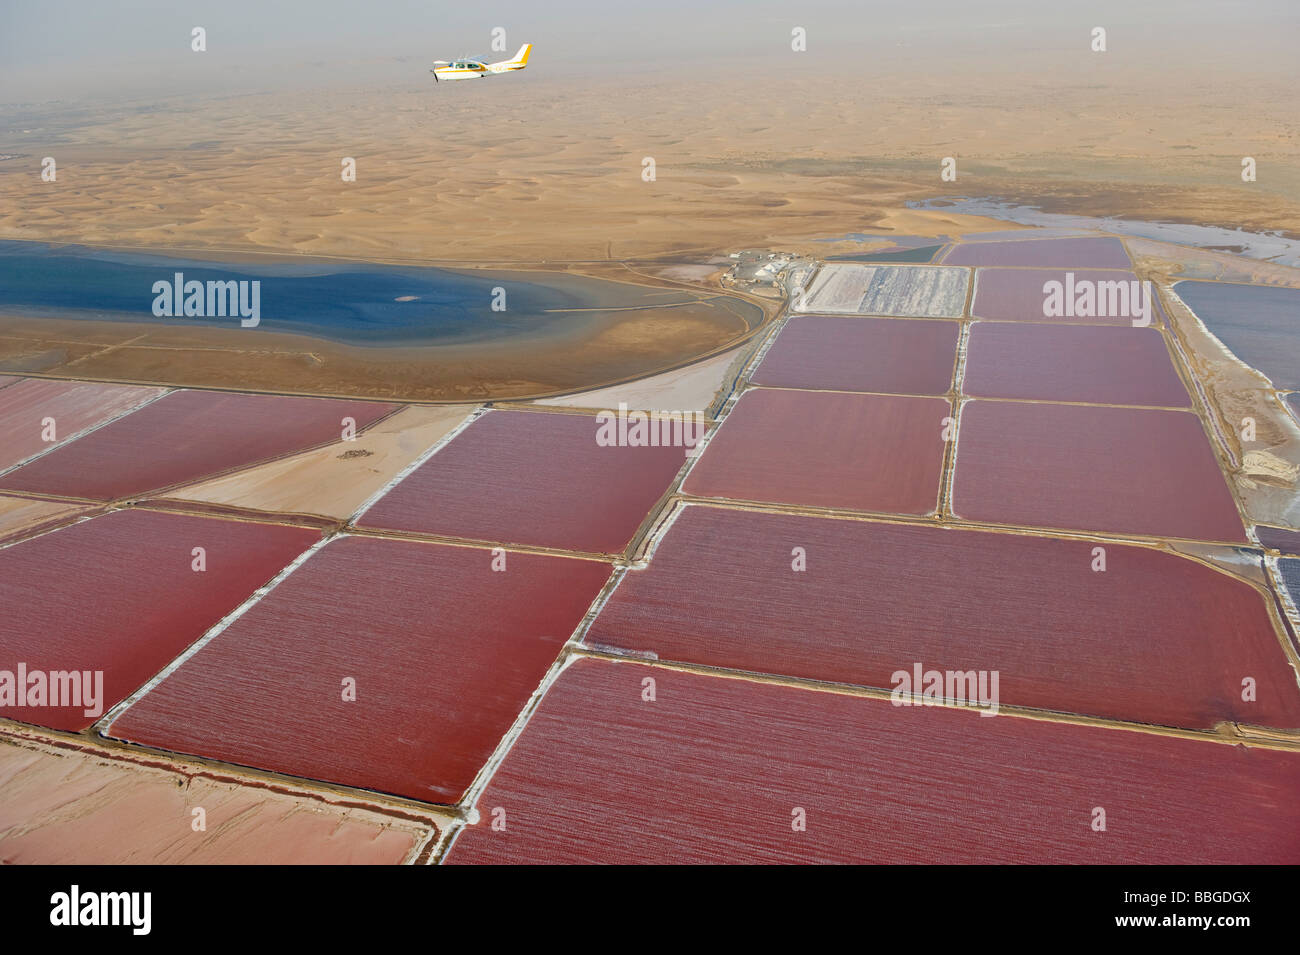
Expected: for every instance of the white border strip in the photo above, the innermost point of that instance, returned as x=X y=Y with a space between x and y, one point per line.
x=433 y=449
x=94 y=427
x=104 y=724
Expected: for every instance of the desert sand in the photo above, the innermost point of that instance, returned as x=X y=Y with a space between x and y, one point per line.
x=21 y=515
x=546 y=170
x=548 y=167
x=66 y=804
x=694 y=388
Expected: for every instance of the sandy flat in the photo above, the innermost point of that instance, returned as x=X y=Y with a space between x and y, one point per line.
x=692 y=388
x=1184 y=262
x=63 y=806
x=333 y=481
x=18 y=514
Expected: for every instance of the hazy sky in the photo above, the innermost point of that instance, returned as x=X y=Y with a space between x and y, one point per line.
x=74 y=49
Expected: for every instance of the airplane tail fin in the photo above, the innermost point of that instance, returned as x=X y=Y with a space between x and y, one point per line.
x=522 y=56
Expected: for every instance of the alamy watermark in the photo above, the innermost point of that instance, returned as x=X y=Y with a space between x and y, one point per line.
x=75 y=907
x=1089 y=298
x=640 y=429
x=54 y=688
x=211 y=299
x=921 y=687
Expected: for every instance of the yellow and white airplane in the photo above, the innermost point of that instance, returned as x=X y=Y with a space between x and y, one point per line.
x=470 y=69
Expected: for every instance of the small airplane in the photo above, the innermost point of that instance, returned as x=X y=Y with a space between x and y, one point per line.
x=467 y=68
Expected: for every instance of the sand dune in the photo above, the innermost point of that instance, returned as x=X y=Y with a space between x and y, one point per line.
x=550 y=168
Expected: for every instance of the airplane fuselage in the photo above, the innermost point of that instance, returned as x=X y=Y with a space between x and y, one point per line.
x=459 y=72
x=467 y=69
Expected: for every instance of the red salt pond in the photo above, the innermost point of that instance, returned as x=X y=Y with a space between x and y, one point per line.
x=1016 y=295
x=1115 y=470
x=185 y=436
x=886 y=355
x=1122 y=366
x=443 y=652
x=33 y=410
x=861 y=452
x=119 y=594
x=722 y=770
x=534 y=478
x=1098 y=252
x=1154 y=638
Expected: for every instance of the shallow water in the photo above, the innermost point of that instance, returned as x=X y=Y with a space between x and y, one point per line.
x=1254 y=245
x=902 y=241
x=1260 y=324
x=352 y=303
x=921 y=254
